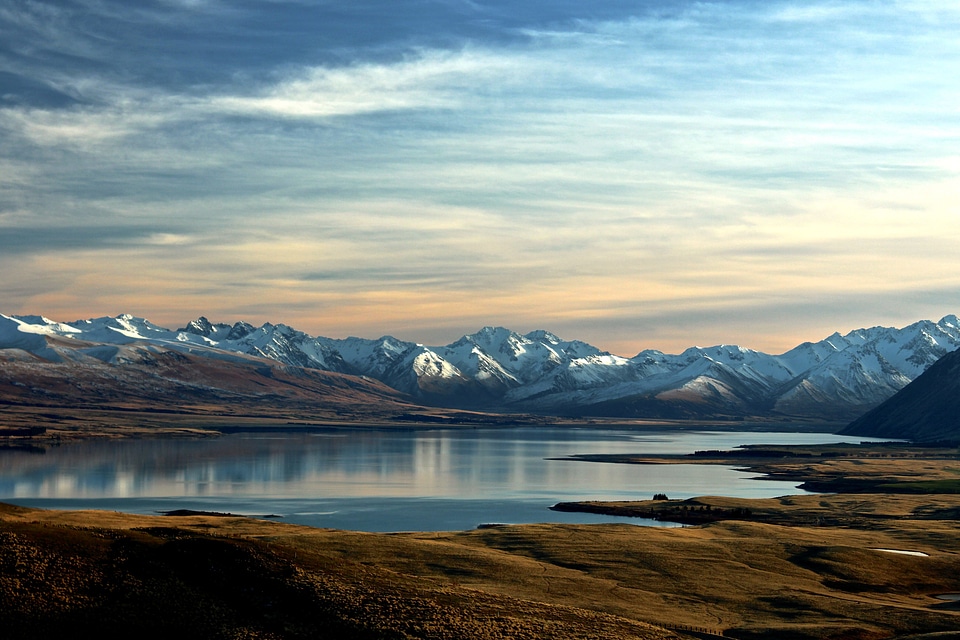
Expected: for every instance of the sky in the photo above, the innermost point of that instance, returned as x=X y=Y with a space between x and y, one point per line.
x=647 y=174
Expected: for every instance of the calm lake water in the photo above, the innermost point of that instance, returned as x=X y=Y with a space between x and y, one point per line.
x=428 y=480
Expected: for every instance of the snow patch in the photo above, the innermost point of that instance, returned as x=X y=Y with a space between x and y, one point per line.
x=904 y=552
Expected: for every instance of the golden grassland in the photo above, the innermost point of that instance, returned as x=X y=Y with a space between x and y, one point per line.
x=803 y=567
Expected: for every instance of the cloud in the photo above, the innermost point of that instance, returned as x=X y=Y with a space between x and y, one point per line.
x=79 y=126
x=430 y=80
x=23 y=240
x=168 y=239
x=534 y=170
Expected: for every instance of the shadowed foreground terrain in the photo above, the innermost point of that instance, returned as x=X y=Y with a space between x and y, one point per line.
x=101 y=574
x=113 y=575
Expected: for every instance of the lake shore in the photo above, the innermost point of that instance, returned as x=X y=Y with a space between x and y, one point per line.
x=889 y=468
x=41 y=425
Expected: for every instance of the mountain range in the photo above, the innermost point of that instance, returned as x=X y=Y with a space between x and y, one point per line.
x=495 y=369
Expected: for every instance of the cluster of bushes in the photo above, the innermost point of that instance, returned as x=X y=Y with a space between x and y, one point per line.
x=27 y=432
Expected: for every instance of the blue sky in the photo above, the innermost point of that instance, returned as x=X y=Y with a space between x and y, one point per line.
x=635 y=174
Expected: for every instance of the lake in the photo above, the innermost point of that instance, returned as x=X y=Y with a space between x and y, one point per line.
x=369 y=480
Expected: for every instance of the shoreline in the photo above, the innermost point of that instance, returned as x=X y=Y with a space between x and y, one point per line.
x=857 y=471
x=50 y=426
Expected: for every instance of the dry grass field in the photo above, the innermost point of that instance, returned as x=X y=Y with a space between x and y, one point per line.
x=110 y=575
x=844 y=566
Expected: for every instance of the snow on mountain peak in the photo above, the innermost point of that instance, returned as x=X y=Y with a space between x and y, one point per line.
x=949 y=322
x=40 y=325
x=240 y=330
x=201 y=327
x=542 y=335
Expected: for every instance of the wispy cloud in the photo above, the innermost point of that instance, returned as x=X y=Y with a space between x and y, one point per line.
x=430 y=80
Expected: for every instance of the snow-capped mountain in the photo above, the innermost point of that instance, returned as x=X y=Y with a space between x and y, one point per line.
x=838 y=377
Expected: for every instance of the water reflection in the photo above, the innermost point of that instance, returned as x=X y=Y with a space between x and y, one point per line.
x=346 y=478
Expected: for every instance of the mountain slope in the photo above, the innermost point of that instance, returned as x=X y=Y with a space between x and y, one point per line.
x=926 y=410
x=54 y=381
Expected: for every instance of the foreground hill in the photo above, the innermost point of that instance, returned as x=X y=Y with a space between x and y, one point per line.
x=839 y=377
x=926 y=410
x=108 y=575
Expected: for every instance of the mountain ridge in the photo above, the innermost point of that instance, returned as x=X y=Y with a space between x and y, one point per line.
x=837 y=378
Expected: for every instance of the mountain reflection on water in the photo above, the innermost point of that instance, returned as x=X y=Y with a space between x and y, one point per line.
x=381 y=480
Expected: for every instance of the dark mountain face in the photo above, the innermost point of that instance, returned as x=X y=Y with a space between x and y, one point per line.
x=926 y=410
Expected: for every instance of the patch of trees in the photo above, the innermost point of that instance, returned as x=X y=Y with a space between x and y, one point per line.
x=751 y=453
x=676 y=512
x=28 y=432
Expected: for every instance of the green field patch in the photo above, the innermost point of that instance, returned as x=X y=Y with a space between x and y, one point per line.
x=922 y=486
